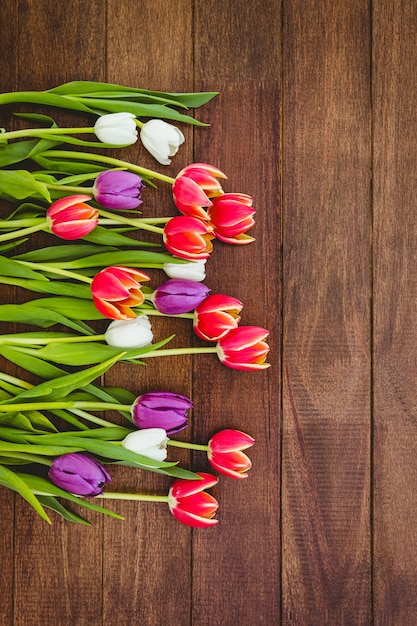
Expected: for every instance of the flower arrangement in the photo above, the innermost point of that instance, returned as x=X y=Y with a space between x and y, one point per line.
x=93 y=199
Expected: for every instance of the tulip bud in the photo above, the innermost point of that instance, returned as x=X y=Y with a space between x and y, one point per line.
x=117 y=189
x=193 y=270
x=231 y=215
x=70 y=218
x=216 y=316
x=161 y=139
x=190 y=504
x=225 y=453
x=177 y=296
x=118 y=129
x=130 y=333
x=188 y=237
x=161 y=409
x=79 y=474
x=193 y=188
x=150 y=442
x=244 y=348
x=116 y=289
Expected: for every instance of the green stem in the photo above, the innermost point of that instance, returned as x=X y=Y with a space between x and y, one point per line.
x=28 y=341
x=23 y=232
x=138 y=223
x=13 y=224
x=99 y=158
x=57 y=270
x=32 y=458
x=62 y=404
x=88 y=190
x=112 y=495
x=187 y=445
x=178 y=351
x=39 y=132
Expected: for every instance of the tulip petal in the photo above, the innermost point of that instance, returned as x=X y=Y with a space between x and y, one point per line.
x=228 y=440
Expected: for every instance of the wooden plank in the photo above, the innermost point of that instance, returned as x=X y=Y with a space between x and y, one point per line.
x=58 y=569
x=236 y=566
x=395 y=369
x=8 y=81
x=327 y=288
x=150 y=46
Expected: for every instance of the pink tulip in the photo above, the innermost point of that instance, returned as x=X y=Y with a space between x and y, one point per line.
x=190 y=504
x=193 y=188
x=231 y=216
x=70 y=218
x=225 y=453
x=216 y=316
x=188 y=238
x=244 y=348
x=116 y=289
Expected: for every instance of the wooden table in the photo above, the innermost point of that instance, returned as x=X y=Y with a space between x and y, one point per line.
x=316 y=119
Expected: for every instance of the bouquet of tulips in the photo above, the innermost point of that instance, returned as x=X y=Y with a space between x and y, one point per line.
x=92 y=198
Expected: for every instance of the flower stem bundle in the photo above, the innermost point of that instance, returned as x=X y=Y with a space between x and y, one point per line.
x=94 y=274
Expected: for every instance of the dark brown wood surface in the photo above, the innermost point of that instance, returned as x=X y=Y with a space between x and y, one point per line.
x=316 y=119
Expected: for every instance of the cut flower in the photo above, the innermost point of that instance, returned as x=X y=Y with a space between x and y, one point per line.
x=116 y=289
x=117 y=129
x=161 y=139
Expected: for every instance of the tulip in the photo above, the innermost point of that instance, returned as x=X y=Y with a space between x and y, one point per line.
x=244 y=348
x=117 y=129
x=150 y=442
x=188 y=238
x=79 y=474
x=231 y=216
x=115 y=290
x=190 y=504
x=71 y=218
x=161 y=139
x=193 y=270
x=216 y=316
x=193 y=188
x=161 y=409
x=177 y=296
x=225 y=453
x=117 y=189
x=129 y=333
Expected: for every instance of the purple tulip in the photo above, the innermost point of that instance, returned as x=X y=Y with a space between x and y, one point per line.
x=178 y=296
x=161 y=409
x=117 y=189
x=79 y=474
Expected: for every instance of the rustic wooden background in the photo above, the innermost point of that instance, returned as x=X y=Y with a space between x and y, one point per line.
x=316 y=119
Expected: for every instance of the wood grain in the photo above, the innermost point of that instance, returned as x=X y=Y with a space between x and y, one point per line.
x=315 y=119
x=326 y=345
x=395 y=284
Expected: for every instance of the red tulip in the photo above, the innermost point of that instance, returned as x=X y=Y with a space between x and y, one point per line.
x=244 y=348
x=70 y=218
x=231 y=216
x=225 y=453
x=193 y=188
x=188 y=237
x=216 y=316
x=190 y=504
x=116 y=289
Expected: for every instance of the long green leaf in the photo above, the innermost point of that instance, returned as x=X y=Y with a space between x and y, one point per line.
x=52 y=503
x=60 y=387
x=10 y=267
x=14 y=481
x=44 y=487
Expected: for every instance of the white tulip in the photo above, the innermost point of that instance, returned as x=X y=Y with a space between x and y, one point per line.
x=118 y=129
x=133 y=333
x=193 y=270
x=161 y=139
x=150 y=442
